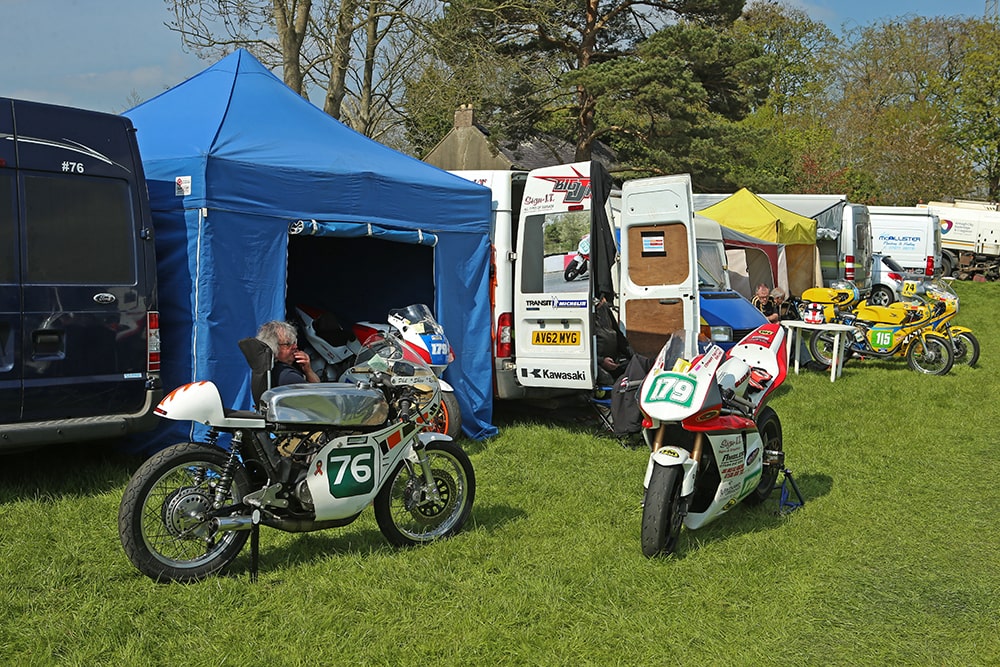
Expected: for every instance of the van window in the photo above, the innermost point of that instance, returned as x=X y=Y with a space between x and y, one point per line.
x=8 y=230
x=555 y=236
x=711 y=266
x=79 y=231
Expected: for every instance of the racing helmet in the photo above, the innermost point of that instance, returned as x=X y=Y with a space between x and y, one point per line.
x=848 y=295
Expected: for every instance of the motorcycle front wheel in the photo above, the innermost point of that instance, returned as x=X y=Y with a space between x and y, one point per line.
x=661 y=511
x=448 y=419
x=572 y=272
x=966 y=348
x=408 y=513
x=769 y=427
x=161 y=520
x=931 y=355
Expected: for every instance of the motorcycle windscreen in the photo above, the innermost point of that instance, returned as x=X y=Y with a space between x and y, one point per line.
x=552 y=330
x=658 y=290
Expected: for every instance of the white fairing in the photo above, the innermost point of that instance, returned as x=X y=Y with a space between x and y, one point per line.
x=672 y=396
x=200 y=402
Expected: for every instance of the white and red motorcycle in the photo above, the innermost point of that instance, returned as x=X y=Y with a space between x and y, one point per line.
x=331 y=346
x=713 y=441
x=313 y=457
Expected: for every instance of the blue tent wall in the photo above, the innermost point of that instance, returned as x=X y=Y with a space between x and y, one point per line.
x=259 y=158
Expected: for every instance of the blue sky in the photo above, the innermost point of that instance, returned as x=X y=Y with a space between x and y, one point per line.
x=97 y=53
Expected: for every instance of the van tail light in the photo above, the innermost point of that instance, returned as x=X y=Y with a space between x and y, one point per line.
x=153 y=340
x=929 y=270
x=505 y=335
x=849 y=268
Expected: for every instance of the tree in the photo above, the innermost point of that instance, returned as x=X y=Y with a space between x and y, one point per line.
x=356 y=52
x=540 y=43
x=974 y=104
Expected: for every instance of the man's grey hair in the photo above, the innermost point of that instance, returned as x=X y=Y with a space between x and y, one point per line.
x=271 y=333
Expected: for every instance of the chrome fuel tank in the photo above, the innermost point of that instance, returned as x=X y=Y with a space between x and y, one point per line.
x=333 y=403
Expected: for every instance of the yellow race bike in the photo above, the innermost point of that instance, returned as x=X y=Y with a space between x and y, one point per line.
x=906 y=330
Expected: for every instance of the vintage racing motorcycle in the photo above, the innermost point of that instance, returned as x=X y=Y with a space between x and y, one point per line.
x=713 y=441
x=313 y=457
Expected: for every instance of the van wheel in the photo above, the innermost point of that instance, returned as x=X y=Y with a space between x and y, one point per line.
x=881 y=296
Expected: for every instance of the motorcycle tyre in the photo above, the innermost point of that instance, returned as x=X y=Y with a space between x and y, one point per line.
x=914 y=355
x=449 y=417
x=134 y=537
x=769 y=427
x=661 y=512
x=571 y=273
x=390 y=503
x=966 y=349
x=823 y=354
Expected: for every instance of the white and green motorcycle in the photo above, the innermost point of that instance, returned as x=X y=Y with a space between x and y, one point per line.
x=312 y=457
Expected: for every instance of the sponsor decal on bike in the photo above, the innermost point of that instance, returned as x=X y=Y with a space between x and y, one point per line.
x=753 y=455
x=727 y=445
x=731 y=458
x=735 y=471
x=671 y=452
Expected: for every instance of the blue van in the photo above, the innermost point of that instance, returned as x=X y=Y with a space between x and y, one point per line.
x=726 y=315
x=79 y=326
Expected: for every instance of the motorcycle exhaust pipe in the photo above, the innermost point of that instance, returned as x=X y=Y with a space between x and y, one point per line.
x=229 y=523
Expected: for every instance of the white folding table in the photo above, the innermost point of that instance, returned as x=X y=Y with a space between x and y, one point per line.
x=795 y=333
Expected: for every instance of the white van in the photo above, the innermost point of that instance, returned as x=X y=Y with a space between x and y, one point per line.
x=910 y=235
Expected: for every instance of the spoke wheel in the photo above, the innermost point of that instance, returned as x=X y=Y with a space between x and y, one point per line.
x=662 y=514
x=162 y=519
x=409 y=513
x=931 y=355
x=966 y=349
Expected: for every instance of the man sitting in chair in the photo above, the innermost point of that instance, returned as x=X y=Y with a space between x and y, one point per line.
x=291 y=365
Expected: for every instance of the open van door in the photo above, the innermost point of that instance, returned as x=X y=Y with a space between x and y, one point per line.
x=552 y=321
x=658 y=287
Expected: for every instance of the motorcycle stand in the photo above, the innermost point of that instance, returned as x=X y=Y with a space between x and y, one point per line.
x=785 y=505
x=254 y=545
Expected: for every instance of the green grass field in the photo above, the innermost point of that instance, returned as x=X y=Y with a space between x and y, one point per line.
x=892 y=561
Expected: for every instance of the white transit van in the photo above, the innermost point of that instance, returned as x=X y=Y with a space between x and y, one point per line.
x=545 y=334
x=910 y=235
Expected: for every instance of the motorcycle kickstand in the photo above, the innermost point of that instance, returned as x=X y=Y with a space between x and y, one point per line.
x=254 y=544
x=786 y=506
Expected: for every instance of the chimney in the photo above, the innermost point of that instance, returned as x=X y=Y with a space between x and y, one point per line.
x=464 y=116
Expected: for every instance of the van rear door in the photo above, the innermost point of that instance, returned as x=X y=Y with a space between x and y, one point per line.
x=658 y=289
x=85 y=278
x=552 y=321
x=10 y=288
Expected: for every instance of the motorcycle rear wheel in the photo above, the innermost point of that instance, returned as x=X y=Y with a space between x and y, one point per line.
x=408 y=516
x=661 y=512
x=821 y=347
x=966 y=349
x=931 y=355
x=769 y=427
x=158 y=519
